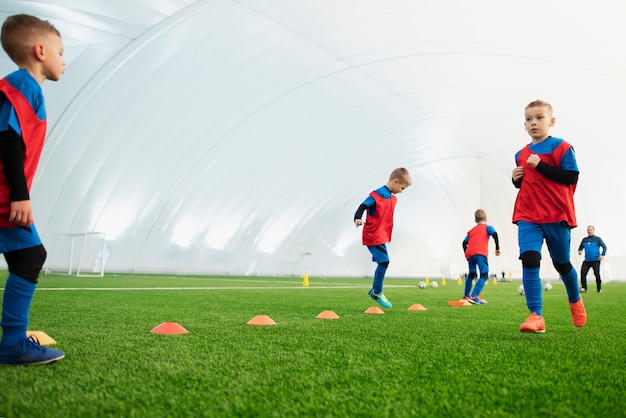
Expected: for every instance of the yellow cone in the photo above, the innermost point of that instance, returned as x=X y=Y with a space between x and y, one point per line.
x=427 y=281
x=443 y=280
x=305 y=281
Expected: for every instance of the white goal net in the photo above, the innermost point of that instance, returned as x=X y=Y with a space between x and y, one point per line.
x=83 y=255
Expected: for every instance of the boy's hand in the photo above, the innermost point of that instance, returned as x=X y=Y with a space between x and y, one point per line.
x=21 y=213
x=497 y=252
x=518 y=173
x=533 y=160
x=358 y=222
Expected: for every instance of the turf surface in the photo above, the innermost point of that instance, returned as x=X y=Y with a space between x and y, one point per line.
x=442 y=362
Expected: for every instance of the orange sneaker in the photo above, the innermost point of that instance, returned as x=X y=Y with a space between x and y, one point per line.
x=534 y=323
x=579 y=315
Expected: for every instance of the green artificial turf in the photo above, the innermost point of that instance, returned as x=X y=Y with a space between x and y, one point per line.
x=441 y=362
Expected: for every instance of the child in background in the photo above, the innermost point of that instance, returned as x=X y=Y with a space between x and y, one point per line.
x=546 y=175
x=378 y=226
x=36 y=47
x=476 y=248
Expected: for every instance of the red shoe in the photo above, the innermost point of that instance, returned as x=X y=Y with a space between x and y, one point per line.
x=534 y=323
x=579 y=315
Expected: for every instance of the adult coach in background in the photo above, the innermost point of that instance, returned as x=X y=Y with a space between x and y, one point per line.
x=591 y=244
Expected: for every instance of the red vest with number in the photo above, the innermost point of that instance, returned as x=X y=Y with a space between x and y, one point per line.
x=541 y=200
x=33 y=135
x=378 y=227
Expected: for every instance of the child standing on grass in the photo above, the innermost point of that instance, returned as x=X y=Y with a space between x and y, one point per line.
x=546 y=175
x=36 y=47
x=476 y=248
x=378 y=226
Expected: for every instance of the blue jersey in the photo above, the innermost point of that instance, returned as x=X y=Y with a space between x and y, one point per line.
x=592 y=245
x=31 y=90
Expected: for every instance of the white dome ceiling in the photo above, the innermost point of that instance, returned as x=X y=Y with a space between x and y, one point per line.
x=239 y=137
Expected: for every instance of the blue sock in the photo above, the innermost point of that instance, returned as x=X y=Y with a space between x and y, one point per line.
x=480 y=284
x=379 y=277
x=532 y=289
x=571 y=285
x=468 y=287
x=18 y=294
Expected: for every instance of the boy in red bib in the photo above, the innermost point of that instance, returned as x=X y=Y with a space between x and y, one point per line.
x=378 y=226
x=36 y=47
x=546 y=176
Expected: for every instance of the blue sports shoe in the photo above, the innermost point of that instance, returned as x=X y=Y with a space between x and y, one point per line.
x=380 y=298
x=29 y=352
x=477 y=301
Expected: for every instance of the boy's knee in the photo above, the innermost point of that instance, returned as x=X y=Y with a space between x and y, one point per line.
x=26 y=263
x=385 y=264
x=563 y=269
x=531 y=259
x=472 y=275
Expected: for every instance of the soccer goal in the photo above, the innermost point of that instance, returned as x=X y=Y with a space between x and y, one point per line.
x=83 y=255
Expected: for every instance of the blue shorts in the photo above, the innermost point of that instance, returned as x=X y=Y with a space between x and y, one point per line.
x=557 y=235
x=479 y=261
x=12 y=239
x=379 y=253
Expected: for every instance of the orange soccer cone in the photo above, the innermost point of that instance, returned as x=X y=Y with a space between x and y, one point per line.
x=416 y=307
x=374 y=310
x=327 y=315
x=42 y=337
x=261 y=320
x=169 y=328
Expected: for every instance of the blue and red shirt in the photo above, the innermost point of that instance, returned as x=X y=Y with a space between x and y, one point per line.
x=478 y=240
x=541 y=200
x=378 y=227
x=22 y=108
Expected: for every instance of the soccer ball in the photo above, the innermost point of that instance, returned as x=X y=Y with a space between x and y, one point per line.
x=422 y=285
x=547 y=287
x=434 y=285
x=520 y=289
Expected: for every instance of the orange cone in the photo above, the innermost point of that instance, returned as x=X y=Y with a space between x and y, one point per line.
x=261 y=320
x=327 y=315
x=42 y=337
x=374 y=310
x=416 y=307
x=169 y=328
x=456 y=304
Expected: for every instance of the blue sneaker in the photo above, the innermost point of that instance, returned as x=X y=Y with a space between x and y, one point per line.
x=477 y=301
x=380 y=298
x=29 y=352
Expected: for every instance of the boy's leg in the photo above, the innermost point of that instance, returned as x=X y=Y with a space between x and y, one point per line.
x=24 y=265
x=558 y=242
x=379 y=277
x=379 y=256
x=483 y=267
x=530 y=239
x=470 y=277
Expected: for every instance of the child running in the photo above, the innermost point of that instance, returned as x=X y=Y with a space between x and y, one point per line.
x=378 y=226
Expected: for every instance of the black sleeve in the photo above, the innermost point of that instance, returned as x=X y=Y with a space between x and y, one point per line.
x=517 y=183
x=557 y=173
x=360 y=211
x=580 y=247
x=12 y=157
x=495 y=238
x=464 y=245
